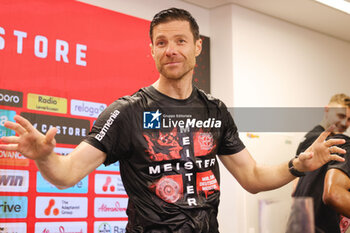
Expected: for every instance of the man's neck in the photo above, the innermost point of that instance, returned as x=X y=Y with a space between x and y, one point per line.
x=174 y=88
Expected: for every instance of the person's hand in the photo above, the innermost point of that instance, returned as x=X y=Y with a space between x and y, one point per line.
x=29 y=142
x=320 y=153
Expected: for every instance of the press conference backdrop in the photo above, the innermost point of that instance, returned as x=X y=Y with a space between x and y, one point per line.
x=61 y=63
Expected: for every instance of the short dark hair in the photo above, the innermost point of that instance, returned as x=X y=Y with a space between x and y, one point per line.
x=171 y=14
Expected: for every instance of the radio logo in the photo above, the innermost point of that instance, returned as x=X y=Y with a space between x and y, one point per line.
x=14 y=180
x=47 y=103
x=109 y=184
x=61 y=207
x=11 y=98
x=13 y=207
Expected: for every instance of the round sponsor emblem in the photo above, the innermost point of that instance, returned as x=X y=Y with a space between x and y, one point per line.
x=104 y=228
x=168 y=189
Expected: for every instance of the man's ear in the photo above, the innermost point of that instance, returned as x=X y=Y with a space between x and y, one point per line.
x=198 y=47
x=152 y=50
x=326 y=108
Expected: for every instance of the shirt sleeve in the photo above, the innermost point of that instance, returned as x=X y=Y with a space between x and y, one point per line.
x=111 y=132
x=230 y=143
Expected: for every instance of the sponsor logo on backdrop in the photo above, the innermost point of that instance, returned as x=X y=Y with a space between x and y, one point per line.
x=47 y=103
x=157 y=120
x=14 y=180
x=11 y=98
x=110 y=227
x=13 y=207
x=60 y=227
x=12 y=158
x=114 y=167
x=16 y=227
x=43 y=186
x=110 y=207
x=69 y=130
x=41 y=47
x=61 y=207
x=86 y=108
x=6 y=115
x=109 y=184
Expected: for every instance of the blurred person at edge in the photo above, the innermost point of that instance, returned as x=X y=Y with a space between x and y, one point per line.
x=329 y=185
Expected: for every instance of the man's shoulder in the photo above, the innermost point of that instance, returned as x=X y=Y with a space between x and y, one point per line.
x=210 y=98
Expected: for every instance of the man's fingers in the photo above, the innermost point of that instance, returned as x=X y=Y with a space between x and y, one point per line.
x=24 y=123
x=324 y=135
x=336 y=150
x=15 y=127
x=306 y=155
x=337 y=158
x=50 y=135
x=10 y=139
x=333 y=141
x=10 y=147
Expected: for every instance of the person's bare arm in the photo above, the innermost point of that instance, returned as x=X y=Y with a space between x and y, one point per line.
x=255 y=178
x=62 y=171
x=336 y=191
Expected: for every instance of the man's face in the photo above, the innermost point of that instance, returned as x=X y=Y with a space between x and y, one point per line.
x=174 y=49
x=339 y=116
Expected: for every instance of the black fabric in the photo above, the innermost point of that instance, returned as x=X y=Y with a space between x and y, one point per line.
x=311 y=185
x=170 y=174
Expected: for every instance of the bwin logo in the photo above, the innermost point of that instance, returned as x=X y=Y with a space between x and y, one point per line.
x=151 y=120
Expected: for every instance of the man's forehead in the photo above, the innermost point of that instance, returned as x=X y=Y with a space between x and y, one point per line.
x=174 y=27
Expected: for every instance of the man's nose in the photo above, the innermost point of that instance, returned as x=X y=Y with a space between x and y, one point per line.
x=171 y=49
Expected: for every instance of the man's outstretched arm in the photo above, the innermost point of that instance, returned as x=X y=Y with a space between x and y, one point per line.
x=255 y=178
x=336 y=191
x=62 y=171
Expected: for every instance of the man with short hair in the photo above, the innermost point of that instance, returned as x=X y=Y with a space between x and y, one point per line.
x=329 y=185
x=166 y=138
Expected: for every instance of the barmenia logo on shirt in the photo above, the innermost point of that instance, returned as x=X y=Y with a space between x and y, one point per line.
x=153 y=120
x=107 y=125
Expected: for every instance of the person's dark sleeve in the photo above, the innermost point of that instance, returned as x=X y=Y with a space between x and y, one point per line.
x=230 y=143
x=111 y=132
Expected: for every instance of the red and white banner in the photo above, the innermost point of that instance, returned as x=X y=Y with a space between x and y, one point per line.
x=61 y=63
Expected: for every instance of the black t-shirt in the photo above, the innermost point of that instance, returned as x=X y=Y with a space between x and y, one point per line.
x=167 y=151
x=311 y=185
